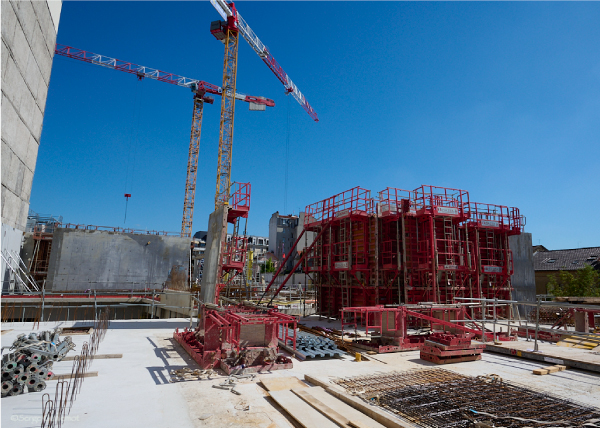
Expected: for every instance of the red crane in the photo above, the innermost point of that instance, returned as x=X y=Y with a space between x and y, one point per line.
x=200 y=89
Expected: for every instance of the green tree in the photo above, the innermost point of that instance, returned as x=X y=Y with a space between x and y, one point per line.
x=268 y=267
x=582 y=283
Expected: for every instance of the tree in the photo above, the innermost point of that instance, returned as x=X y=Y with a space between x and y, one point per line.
x=583 y=283
x=268 y=267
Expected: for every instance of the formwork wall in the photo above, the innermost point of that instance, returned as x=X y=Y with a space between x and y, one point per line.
x=93 y=259
x=431 y=244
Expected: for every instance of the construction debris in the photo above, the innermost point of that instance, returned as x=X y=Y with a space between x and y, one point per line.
x=440 y=398
x=28 y=364
x=189 y=374
x=230 y=383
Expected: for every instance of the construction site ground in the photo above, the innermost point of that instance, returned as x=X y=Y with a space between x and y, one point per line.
x=135 y=390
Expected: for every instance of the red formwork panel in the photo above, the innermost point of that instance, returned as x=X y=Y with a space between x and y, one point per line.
x=430 y=244
x=441 y=202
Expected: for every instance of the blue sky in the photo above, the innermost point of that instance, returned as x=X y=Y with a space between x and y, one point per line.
x=500 y=99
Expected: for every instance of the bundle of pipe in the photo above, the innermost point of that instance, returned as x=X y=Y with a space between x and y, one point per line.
x=28 y=365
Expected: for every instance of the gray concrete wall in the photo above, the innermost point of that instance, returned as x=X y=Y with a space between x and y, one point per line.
x=217 y=233
x=28 y=37
x=523 y=279
x=84 y=259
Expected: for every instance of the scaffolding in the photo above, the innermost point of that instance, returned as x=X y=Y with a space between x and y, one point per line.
x=431 y=244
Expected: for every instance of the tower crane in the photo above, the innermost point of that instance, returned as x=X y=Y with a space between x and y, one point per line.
x=228 y=31
x=200 y=90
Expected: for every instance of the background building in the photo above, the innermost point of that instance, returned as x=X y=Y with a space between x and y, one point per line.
x=29 y=31
x=546 y=263
x=283 y=232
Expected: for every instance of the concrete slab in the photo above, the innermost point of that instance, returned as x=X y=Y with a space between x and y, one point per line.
x=135 y=390
x=551 y=353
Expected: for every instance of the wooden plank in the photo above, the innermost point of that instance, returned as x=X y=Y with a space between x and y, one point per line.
x=325 y=410
x=356 y=424
x=552 y=369
x=281 y=383
x=96 y=357
x=73 y=331
x=338 y=406
x=300 y=410
x=379 y=415
x=561 y=368
x=68 y=375
x=540 y=371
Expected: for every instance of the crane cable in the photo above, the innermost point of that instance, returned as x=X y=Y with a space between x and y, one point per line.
x=287 y=157
x=133 y=145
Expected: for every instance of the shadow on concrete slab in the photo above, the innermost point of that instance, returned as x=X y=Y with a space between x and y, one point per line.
x=142 y=324
x=161 y=374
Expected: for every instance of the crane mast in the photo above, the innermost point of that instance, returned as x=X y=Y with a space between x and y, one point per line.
x=192 y=167
x=230 y=39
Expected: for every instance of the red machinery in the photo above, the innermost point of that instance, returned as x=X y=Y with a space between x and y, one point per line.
x=430 y=244
x=236 y=338
x=386 y=329
x=239 y=339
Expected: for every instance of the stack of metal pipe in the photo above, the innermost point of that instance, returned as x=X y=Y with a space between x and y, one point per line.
x=28 y=364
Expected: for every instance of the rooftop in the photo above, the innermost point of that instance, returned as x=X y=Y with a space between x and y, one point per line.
x=571 y=259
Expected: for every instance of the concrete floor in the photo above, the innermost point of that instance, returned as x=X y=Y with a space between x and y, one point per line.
x=135 y=390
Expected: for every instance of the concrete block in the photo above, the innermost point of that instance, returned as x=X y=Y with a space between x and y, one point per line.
x=10 y=121
x=20 y=49
x=20 y=145
x=32 y=75
x=4 y=190
x=11 y=207
x=22 y=216
x=32 y=152
x=5 y=57
x=7 y=155
x=9 y=22
x=26 y=185
x=46 y=25
x=26 y=16
x=13 y=174
x=42 y=56
x=26 y=110
x=13 y=85
x=42 y=95
x=37 y=120
x=55 y=7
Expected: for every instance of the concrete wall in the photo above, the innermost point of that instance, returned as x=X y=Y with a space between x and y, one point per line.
x=28 y=37
x=523 y=279
x=217 y=232
x=84 y=259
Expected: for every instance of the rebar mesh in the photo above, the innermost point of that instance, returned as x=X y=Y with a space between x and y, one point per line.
x=441 y=398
